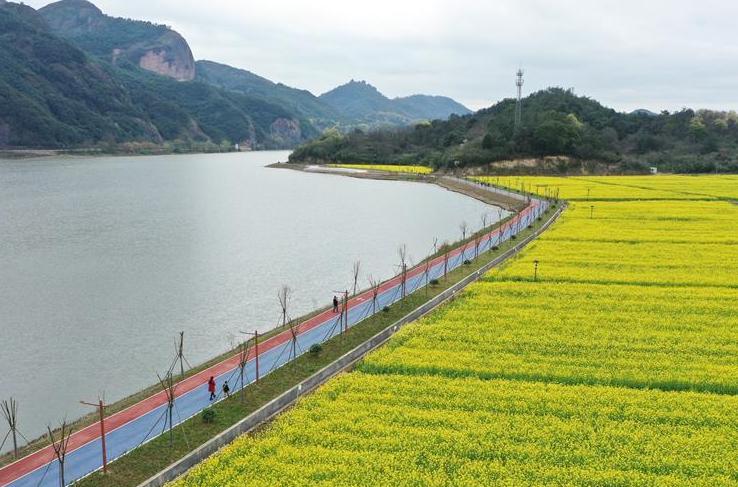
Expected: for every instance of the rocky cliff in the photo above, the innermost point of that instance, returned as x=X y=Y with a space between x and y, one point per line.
x=170 y=57
x=153 y=47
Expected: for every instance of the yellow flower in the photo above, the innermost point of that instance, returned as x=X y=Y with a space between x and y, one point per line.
x=615 y=364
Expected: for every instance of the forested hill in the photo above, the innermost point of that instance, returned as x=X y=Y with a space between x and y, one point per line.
x=73 y=77
x=555 y=122
x=242 y=81
x=368 y=107
x=53 y=94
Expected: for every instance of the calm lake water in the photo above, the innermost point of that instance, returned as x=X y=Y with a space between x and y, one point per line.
x=104 y=260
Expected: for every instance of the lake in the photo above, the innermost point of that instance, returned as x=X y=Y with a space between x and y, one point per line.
x=103 y=261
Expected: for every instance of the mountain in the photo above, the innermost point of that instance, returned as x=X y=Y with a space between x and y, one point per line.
x=424 y=107
x=153 y=47
x=560 y=132
x=301 y=102
x=357 y=99
x=73 y=76
x=52 y=94
x=364 y=103
x=348 y=106
x=55 y=95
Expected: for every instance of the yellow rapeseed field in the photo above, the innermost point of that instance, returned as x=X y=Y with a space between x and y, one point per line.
x=615 y=364
x=659 y=187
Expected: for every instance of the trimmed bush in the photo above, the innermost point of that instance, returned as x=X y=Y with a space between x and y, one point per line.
x=208 y=415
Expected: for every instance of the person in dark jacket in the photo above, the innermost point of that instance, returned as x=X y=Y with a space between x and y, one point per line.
x=335 y=304
x=226 y=389
x=211 y=387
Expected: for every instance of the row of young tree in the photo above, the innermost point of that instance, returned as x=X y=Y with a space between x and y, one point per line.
x=555 y=122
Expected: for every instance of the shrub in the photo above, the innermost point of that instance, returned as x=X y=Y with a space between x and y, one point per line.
x=467 y=262
x=434 y=282
x=315 y=349
x=208 y=415
x=385 y=309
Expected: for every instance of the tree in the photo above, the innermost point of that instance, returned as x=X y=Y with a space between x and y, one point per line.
x=488 y=142
x=557 y=134
x=697 y=128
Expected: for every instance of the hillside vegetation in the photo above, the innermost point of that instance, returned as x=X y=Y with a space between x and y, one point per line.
x=556 y=122
x=368 y=108
x=113 y=39
x=299 y=101
x=52 y=94
x=74 y=77
x=56 y=95
x=615 y=364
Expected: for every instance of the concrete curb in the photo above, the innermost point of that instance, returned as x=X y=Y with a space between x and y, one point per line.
x=348 y=360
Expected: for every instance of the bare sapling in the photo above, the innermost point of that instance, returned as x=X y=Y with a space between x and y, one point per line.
x=402 y=254
x=294 y=330
x=357 y=269
x=168 y=387
x=283 y=296
x=10 y=412
x=60 y=443
x=243 y=358
x=374 y=285
x=446 y=249
x=179 y=355
x=463 y=228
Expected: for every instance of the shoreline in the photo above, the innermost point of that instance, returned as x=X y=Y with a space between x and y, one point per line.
x=7 y=155
x=443 y=180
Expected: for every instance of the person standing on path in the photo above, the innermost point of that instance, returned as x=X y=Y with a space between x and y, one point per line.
x=335 y=304
x=211 y=387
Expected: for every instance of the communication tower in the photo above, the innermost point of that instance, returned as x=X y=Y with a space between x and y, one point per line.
x=519 y=104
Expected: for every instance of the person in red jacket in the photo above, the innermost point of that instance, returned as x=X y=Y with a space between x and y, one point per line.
x=211 y=387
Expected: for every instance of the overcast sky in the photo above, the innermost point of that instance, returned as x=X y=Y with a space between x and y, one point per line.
x=655 y=54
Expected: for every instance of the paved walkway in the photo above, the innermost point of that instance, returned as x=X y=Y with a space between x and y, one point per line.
x=131 y=427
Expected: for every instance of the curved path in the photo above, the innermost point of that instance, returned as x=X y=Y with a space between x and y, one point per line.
x=145 y=420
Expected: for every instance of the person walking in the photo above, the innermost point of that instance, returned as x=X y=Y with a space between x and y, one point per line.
x=226 y=389
x=211 y=387
x=335 y=304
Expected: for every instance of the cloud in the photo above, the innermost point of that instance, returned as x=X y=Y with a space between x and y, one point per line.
x=628 y=54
